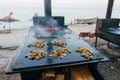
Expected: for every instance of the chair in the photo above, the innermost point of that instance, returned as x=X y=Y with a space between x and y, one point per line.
x=109 y=30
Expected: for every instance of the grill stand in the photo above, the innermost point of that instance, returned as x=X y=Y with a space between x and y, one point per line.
x=34 y=73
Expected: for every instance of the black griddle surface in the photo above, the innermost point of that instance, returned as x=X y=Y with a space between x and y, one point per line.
x=73 y=41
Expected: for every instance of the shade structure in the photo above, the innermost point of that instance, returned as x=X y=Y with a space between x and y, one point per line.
x=109 y=8
x=8 y=19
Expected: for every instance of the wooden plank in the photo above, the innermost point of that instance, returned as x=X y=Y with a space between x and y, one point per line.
x=75 y=75
x=109 y=8
x=85 y=73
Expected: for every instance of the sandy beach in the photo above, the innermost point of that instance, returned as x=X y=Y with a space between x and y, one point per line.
x=10 y=42
x=8 y=45
x=14 y=38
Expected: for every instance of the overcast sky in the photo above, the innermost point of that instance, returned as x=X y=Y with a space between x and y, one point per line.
x=57 y=3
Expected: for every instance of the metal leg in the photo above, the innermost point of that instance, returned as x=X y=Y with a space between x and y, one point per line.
x=96 y=42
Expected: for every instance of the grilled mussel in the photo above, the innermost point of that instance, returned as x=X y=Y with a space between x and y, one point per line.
x=60 y=52
x=85 y=52
x=37 y=44
x=36 y=54
x=58 y=43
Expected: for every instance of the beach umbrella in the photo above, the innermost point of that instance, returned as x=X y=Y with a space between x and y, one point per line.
x=9 y=19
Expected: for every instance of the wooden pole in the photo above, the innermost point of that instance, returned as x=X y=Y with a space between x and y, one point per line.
x=47 y=8
x=109 y=11
x=109 y=8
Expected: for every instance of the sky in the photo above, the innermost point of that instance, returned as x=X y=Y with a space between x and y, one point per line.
x=58 y=3
x=82 y=8
x=63 y=4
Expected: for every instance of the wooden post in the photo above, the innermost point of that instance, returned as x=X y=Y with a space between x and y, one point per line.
x=109 y=8
x=47 y=8
x=109 y=11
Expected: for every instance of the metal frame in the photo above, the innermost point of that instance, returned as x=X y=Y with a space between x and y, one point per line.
x=102 y=26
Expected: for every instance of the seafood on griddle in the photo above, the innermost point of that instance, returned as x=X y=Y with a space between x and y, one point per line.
x=36 y=54
x=58 y=43
x=85 y=52
x=60 y=52
x=37 y=44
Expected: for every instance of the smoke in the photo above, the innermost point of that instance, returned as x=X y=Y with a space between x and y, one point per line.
x=52 y=22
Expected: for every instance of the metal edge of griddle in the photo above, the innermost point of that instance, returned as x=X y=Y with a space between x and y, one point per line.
x=9 y=68
x=60 y=65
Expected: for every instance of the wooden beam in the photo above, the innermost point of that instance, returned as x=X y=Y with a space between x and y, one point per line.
x=109 y=8
x=47 y=8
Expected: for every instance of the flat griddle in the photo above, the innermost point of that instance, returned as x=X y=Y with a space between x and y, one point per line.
x=73 y=41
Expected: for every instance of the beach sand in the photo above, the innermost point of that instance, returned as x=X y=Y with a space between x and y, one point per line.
x=10 y=42
x=8 y=45
x=14 y=38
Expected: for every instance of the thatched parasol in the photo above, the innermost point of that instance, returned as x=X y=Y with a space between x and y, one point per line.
x=9 y=19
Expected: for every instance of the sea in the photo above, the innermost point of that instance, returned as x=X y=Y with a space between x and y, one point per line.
x=25 y=15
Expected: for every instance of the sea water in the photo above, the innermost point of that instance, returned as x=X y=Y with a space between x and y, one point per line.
x=25 y=15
